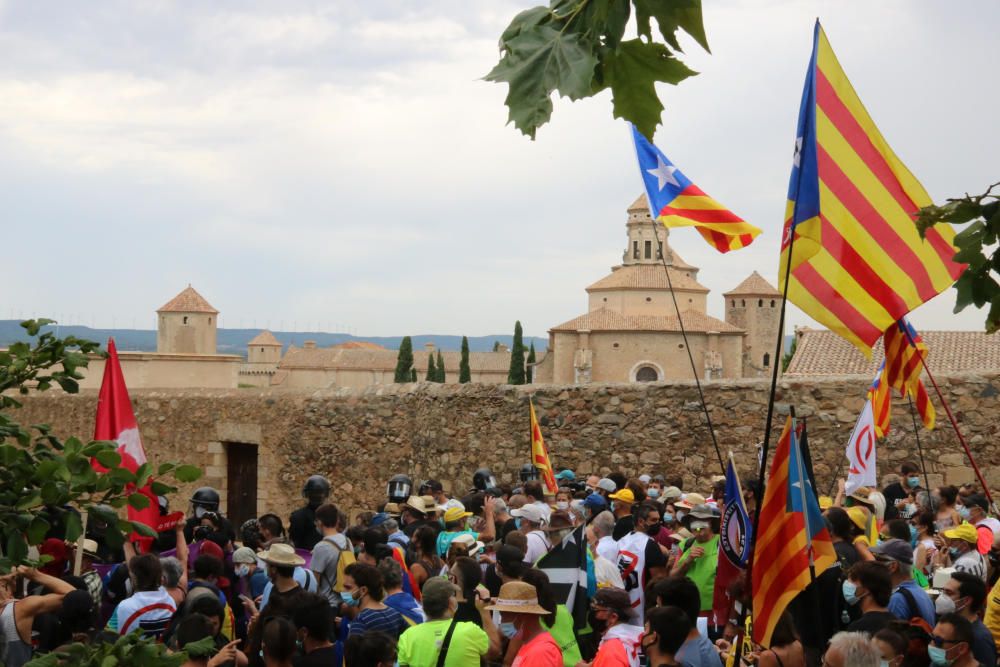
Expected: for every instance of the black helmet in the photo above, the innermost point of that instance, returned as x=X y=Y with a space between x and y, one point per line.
x=483 y=479
x=399 y=488
x=529 y=472
x=316 y=488
x=206 y=497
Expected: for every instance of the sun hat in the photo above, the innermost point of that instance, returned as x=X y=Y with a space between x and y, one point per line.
x=689 y=500
x=670 y=493
x=416 y=503
x=613 y=599
x=681 y=534
x=559 y=520
x=282 y=554
x=89 y=548
x=608 y=485
x=715 y=479
x=895 y=549
x=244 y=555
x=965 y=531
x=430 y=505
x=625 y=495
x=595 y=502
x=858 y=516
x=467 y=540
x=531 y=512
x=703 y=511
x=392 y=509
x=861 y=495
x=519 y=598
x=455 y=513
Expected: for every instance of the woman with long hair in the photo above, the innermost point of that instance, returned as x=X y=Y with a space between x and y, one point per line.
x=426 y=562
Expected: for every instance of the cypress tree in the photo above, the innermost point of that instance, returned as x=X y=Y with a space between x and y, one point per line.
x=530 y=372
x=442 y=376
x=404 y=361
x=413 y=375
x=464 y=372
x=432 y=374
x=516 y=373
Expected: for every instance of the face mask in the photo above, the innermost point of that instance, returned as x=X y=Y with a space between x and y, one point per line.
x=562 y=505
x=954 y=552
x=508 y=630
x=913 y=482
x=653 y=493
x=350 y=599
x=517 y=523
x=242 y=570
x=667 y=518
x=938 y=655
x=653 y=530
x=944 y=605
x=850 y=591
x=963 y=512
x=883 y=663
x=199 y=511
x=913 y=536
x=698 y=525
x=613 y=505
x=911 y=509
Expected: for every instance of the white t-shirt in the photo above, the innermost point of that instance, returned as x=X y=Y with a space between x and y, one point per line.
x=538 y=546
x=607 y=547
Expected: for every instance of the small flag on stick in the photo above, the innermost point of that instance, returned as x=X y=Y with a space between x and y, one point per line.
x=540 y=454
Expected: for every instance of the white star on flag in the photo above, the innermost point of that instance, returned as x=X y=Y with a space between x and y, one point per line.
x=798 y=152
x=664 y=173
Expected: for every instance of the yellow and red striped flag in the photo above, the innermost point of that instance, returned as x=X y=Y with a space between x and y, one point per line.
x=881 y=400
x=904 y=349
x=792 y=540
x=858 y=263
x=540 y=454
x=677 y=202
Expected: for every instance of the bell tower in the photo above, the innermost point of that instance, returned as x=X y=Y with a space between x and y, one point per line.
x=187 y=324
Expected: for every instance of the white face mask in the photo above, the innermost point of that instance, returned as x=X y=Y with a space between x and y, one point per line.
x=562 y=505
x=944 y=604
x=698 y=525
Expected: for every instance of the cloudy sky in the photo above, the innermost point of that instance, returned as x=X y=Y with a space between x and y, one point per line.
x=340 y=165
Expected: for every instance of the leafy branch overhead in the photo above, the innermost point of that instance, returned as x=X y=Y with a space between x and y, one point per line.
x=577 y=48
x=978 y=284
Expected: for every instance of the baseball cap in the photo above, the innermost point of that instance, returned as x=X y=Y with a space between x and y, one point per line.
x=966 y=532
x=977 y=500
x=614 y=599
x=566 y=475
x=895 y=549
x=531 y=512
x=625 y=496
x=607 y=485
x=244 y=555
x=595 y=502
x=670 y=493
x=379 y=519
x=645 y=479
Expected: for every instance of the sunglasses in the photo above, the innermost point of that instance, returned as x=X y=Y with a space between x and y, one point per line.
x=941 y=641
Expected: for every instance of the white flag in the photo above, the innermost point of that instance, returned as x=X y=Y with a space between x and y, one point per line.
x=861 y=452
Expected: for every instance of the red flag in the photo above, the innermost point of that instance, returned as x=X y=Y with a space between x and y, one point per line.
x=540 y=454
x=116 y=422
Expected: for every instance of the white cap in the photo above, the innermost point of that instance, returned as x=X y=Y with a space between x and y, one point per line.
x=531 y=512
x=645 y=479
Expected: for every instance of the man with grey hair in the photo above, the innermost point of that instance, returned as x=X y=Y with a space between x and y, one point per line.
x=851 y=649
x=603 y=525
x=502 y=519
x=394 y=534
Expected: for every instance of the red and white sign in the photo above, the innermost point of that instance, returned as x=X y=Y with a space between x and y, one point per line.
x=861 y=452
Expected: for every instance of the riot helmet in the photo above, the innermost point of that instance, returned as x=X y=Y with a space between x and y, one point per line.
x=483 y=479
x=205 y=499
x=316 y=489
x=529 y=472
x=399 y=488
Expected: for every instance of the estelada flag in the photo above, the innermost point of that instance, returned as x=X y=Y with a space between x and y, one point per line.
x=858 y=263
x=677 y=202
x=540 y=454
x=734 y=545
x=116 y=422
x=905 y=354
x=878 y=396
x=793 y=541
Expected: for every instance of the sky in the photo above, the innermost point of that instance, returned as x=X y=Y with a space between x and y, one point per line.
x=342 y=166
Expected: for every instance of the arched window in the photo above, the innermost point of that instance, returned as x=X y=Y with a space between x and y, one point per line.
x=733 y=303
x=767 y=360
x=772 y=303
x=185 y=319
x=646 y=374
x=743 y=302
x=760 y=303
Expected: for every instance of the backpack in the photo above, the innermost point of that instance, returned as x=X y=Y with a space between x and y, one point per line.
x=345 y=558
x=917 y=634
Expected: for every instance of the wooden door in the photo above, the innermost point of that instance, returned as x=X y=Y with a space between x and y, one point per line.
x=241 y=463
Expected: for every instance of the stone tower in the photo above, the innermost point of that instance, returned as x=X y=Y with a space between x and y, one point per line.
x=754 y=306
x=264 y=349
x=187 y=324
x=646 y=239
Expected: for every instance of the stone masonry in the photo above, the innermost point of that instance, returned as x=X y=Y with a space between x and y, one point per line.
x=359 y=438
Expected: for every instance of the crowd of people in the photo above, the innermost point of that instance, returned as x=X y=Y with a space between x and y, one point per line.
x=432 y=579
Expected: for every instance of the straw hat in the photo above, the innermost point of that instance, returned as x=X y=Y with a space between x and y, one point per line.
x=282 y=554
x=416 y=503
x=392 y=509
x=89 y=548
x=472 y=545
x=691 y=500
x=519 y=598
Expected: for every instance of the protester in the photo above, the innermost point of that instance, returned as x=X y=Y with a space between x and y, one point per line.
x=150 y=608
x=785 y=650
x=925 y=547
x=282 y=563
x=425 y=562
x=620 y=644
x=896 y=493
x=622 y=502
x=961 y=552
x=532 y=520
x=869 y=586
x=908 y=599
x=891 y=647
x=461 y=643
x=696 y=651
x=665 y=632
x=302 y=527
x=395 y=596
x=313 y=620
x=965 y=594
x=518 y=604
x=987 y=527
x=951 y=643
x=605 y=570
x=559 y=622
x=944 y=500
x=18 y=615
x=362 y=597
x=327 y=551
x=851 y=649
x=700 y=554
x=278 y=642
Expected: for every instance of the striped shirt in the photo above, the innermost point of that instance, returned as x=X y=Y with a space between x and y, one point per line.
x=386 y=620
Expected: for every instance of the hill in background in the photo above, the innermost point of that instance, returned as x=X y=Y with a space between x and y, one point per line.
x=234 y=341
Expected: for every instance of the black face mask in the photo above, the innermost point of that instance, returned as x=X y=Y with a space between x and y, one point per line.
x=599 y=625
x=653 y=530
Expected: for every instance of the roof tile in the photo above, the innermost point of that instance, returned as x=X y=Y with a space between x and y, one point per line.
x=265 y=337
x=603 y=319
x=188 y=301
x=646 y=276
x=755 y=285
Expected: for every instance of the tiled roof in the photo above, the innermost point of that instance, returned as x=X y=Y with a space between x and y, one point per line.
x=603 y=319
x=646 y=276
x=756 y=285
x=188 y=301
x=265 y=337
x=358 y=345
x=640 y=204
x=822 y=352
x=383 y=359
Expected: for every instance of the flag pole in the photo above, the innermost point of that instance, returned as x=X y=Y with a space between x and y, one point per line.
x=78 y=554
x=687 y=346
x=920 y=450
x=951 y=418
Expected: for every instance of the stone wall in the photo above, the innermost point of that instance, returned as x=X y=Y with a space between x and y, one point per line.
x=359 y=438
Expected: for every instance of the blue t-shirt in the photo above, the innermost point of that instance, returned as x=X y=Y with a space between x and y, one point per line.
x=387 y=620
x=406 y=605
x=900 y=608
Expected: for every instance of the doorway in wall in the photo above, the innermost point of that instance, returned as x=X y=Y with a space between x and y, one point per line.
x=241 y=477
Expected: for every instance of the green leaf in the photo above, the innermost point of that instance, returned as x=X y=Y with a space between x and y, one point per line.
x=142 y=529
x=109 y=661
x=73 y=526
x=541 y=60
x=139 y=501
x=37 y=530
x=33 y=499
x=671 y=16
x=109 y=458
x=16 y=549
x=161 y=489
x=526 y=19
x=142 y=474
x=632 y=72
x=187 y=473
